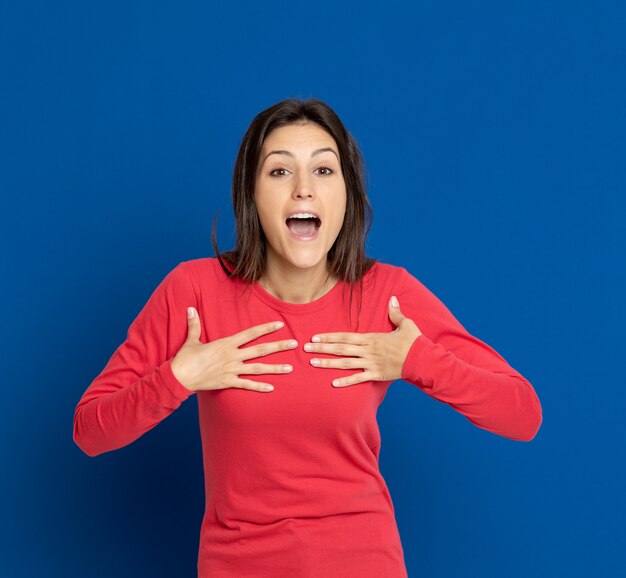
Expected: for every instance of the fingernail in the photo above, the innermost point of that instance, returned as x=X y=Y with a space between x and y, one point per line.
x=287 y=368
x=279 y=324
x=190 y=312
x=293 y=343
x=315 y=338
x=308 y=347
x=394 y=301
x=315 y=361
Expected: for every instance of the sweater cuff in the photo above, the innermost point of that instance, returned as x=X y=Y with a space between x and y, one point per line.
x=413 y=361
x=165 y=378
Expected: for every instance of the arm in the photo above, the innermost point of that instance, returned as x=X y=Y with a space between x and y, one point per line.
x=137 y=388
x=454 y=367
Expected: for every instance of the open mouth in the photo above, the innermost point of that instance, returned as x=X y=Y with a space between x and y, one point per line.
x=303 y=227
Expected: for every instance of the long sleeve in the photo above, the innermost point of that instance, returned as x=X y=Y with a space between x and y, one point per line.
x=137 y=388
x=456 y=368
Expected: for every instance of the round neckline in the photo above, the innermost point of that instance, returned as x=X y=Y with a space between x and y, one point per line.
x=298 y=308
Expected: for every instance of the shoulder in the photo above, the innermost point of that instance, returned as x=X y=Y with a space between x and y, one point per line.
x=201 y=266
x=203 y=272
x=382 y=272
x=397 y=279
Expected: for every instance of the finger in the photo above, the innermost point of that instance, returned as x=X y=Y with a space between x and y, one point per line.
x=193 y=325
x=342 y=363
x=341 y=337
x=259 y=368
x=395 y=314
x=252 y=333
x=353 y=379
x=335 y=349
x=266 y=348
x=254 y=385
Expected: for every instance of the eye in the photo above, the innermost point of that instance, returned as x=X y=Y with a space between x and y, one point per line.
x=272 y=172
x=330 y=171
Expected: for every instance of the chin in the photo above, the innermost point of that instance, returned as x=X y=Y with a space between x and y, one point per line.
x=306 y=262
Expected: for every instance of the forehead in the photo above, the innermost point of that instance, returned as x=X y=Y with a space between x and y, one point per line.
x=299 y=136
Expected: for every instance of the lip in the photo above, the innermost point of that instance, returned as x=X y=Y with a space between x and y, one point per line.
x=303 y=238
x=304 y=211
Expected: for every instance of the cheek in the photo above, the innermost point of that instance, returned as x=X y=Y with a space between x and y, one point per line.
x=268 y=219
x=337 y=221
x=262 y=207
x=266 y=223
x=340 y=210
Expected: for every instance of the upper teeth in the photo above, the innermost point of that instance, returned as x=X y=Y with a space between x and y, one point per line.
x=302 y=216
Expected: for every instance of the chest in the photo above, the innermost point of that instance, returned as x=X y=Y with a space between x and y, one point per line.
x=303 y=400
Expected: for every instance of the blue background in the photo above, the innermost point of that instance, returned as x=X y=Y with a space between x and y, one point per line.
x=495 y=138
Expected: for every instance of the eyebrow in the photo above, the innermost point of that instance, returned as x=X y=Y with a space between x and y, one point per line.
x=290 y=154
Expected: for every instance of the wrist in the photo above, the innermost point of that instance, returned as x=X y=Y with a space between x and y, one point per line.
x=179 y=373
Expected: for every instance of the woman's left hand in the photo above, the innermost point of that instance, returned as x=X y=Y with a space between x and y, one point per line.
x=381 y=355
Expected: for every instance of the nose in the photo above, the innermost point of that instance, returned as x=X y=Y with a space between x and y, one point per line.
x=303 y=187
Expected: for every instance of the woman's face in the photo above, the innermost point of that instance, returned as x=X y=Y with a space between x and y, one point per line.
x=299 y=172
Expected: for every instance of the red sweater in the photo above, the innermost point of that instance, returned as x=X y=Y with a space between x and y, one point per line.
x=292 y=479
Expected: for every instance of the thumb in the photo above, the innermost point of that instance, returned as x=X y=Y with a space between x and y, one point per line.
x=193 y=325
x=395 y=314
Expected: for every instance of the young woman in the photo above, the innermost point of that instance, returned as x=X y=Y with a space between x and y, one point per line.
x=290 y=342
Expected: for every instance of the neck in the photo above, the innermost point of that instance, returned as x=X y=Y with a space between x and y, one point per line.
x=297 y=285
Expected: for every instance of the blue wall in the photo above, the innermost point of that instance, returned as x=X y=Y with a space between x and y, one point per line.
x=495 y=137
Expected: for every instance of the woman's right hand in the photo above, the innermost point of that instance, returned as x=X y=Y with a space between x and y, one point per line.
x=217 y=364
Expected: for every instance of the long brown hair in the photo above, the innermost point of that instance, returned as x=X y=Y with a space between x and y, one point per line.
x=346 y=258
